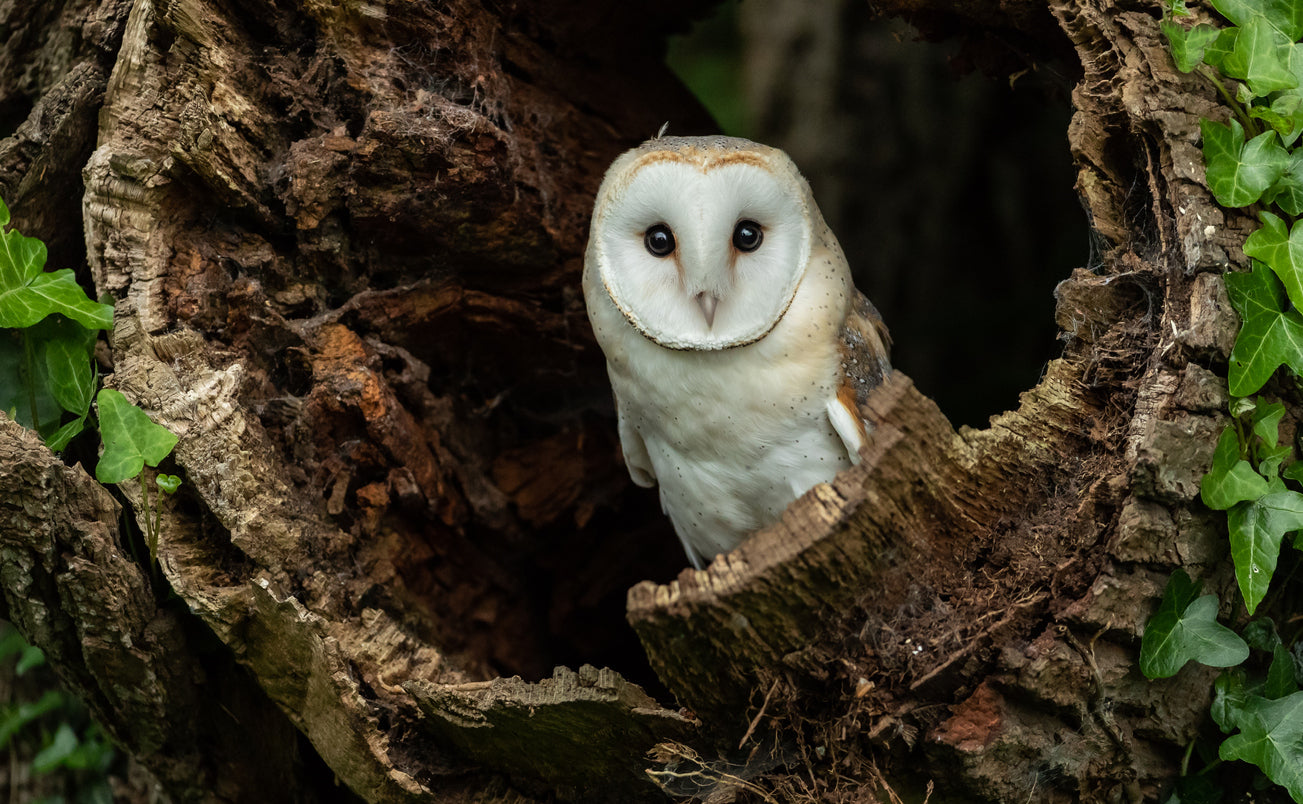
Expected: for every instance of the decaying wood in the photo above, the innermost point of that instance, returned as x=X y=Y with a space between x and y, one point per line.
x=166 y=691
x=597 y=728
x=710 y=633
x=919 y=491
x=344 y=243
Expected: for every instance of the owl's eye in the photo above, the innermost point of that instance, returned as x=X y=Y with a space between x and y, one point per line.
x=659 y=240
x=747 y=236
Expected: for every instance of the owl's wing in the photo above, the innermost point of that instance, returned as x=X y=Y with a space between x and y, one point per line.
x=635 y=450
x=864 y=344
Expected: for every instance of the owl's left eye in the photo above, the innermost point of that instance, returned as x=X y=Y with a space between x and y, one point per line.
x=659 y=240
x=747 y=236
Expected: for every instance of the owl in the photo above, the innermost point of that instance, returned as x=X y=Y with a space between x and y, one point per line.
x=738 y=348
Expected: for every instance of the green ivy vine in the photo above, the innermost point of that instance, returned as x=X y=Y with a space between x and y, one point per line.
x=1256 y=65
x=48 y=329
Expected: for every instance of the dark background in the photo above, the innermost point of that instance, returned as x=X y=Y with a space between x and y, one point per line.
x=951 y=192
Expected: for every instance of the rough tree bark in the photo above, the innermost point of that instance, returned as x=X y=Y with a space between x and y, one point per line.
x=344 y=241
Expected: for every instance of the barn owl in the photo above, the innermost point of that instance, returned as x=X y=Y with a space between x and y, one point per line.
x=738 y=349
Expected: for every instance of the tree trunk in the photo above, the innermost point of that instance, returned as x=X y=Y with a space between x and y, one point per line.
x=344 y=243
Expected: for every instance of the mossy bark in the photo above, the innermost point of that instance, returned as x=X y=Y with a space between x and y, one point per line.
x=344 y=242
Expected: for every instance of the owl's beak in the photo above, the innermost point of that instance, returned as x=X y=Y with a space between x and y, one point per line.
x=708 y=302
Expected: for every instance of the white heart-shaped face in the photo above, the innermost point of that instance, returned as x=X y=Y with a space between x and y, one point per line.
x=710 y=289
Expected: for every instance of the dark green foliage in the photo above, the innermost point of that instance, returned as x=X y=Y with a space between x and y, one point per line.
x=67 y=755
x=1250 y=160
x=48 y=328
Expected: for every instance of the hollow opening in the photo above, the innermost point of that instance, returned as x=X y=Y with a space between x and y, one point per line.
x=953 y=198
x=952 y=195
x=951 y=192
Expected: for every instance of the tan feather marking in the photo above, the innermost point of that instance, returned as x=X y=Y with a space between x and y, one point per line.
x=666 y=156
x=705 y=159
x=848 y=397
x=737 y=158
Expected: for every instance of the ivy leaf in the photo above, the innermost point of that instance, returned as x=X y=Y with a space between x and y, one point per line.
x=11 y=642
x=1188 y=45
x=131 y=439
x=1260 y=57
x=1286 y=110
x=28 y=293
x=21 y=258
x=52 y=292
x=1287 y=192
x=1230 y=694
x=1231 y=479
x=1269 y=336
x=60 y=438
x=1261 y=634
x=31 y=657
x=1239 y=172
x=1294 y=472
x=1272 y=118
x=1268 y=453
x=71 y=378
x=1184 y=628
x=1221 y=47
x=1285 y=16
x=59 y=377
x=60 y=748
x=168 y=483
x=1269 y=461
x=67 y=349
x=1257 y=528
x=1282 y=250
x=20 y=386
x=1271 y=737
x=1242 y=406
x=1266 y=421
x=17 y=717
x=1280 y=675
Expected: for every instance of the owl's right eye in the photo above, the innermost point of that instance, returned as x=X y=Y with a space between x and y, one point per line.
x=659 y=240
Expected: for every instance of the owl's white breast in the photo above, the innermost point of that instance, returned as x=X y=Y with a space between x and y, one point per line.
x=734 y=435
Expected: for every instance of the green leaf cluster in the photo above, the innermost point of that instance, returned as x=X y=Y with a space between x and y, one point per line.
x=1256 y=65
x=42 y=725
x=1246 y=481
x=48 y=328
x=132 y=440
x=1264 y=713
x=1249 y=159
